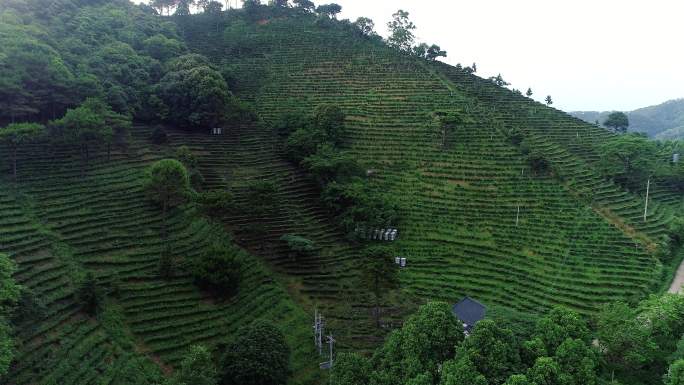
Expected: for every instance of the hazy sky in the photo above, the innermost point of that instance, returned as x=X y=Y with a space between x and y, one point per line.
x=587 y=54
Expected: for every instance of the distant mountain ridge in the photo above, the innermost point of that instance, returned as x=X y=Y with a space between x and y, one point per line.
x=663 y=121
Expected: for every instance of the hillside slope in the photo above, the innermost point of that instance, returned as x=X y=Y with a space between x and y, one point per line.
x=579 y=241
x=60 y=225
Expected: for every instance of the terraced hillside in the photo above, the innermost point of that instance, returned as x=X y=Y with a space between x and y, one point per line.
x=327 y=279
x=58 y=226
x=578 y=239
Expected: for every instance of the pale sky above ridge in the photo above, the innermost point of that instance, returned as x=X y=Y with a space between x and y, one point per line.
x=587 y=54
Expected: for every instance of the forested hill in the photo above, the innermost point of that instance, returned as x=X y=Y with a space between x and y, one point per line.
x=664 y=121
x=186 y=191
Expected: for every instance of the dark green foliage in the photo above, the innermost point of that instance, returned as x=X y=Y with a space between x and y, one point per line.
x=261 y=196
x=545 y=372
x=328 y=165
x=306 y=5
x=499 y=81
x=625 y=340
x=618 y=121
x=162 y=48
x=430 y=336
x=494 y=351
x=28 y=311
x=168 y=185
x=158 y=135
x=298 y=245
x=326 y=125
x=329 y=120
x=358 y=206
x=197 y=94
x=189 y=160
x=16 y=135
x=196 y=368
x=461 y=371
x=90 y=295
x=538 y=163
x=675 y=374
x=518 y=379
x=350 y=368
x=558 y=325
x=447 y=122
x=218 y=269
x=378 y=274
x=577 y=362
x=664 y=315
x=365 y=26
x=303 y=142
x=514 y=135
x=628 y=159
x=329 y=10
x=258 y=356
x=548 y=100
x=290 y=122
x=216 y=202
x=401 y=31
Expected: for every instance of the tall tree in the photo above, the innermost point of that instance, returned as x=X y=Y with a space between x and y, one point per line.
x=350 y=368
x=329 y=10
x=548 y=100
x=461 y=371
x=365 y=26
x=499 y=81
x=378 y=274
x=618 y=121
x=447 y=123
x=529 y=93
x=430 y=337
x=258 y=356
x=628 y=159
x=84 y=127
x=401 y=31
x=305 y=5
x=16 y=135
x=624 y=340
x=168 y=185
x=493 y=350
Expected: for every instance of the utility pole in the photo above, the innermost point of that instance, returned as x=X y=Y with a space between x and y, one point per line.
x=517 y=216
x=648 y=188
x=318 y=331
x=331 y=342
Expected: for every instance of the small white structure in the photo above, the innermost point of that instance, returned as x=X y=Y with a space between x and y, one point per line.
x=403 y=262
x=675 y=158
x=217 y=131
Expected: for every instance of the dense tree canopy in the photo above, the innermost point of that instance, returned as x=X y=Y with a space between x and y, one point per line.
x=258 y=356
x=197 y=95
x=618 y=121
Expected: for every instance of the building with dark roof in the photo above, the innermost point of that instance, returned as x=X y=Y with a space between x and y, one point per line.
x=469 y=311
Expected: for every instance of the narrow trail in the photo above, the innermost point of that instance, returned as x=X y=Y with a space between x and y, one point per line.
x=678 y=281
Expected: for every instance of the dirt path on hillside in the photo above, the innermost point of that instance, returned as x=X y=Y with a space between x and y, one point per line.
x=678 y=280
